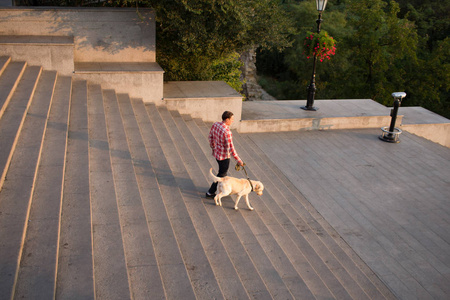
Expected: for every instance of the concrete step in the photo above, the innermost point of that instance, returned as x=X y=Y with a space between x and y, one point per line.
x=4 y=61
x=153 y=174
x=142 y=202
x=228 y=247
x=258 y=231
x=37 y=271
x=14 y=116
x=306 y=239
x=295 y=213
x=275 y=237
x=318 y=234
x=75 y=261
x=137 y=243
x=262 y=278
x=111 y=279
x=315 y=228
x=8 y=82
x=196 y=260
x=358 y=270
x=106 y=200
x=20 y=183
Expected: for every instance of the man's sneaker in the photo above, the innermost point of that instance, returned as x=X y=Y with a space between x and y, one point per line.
x=208 y=195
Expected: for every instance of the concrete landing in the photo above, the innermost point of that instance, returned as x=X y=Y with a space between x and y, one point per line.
x=270 y=116
x=290 y=109
x=278 y=116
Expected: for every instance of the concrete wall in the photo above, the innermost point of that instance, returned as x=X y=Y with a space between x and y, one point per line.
x=206 y=100
x=279 y=125
x=145 y=85
x=209 y=110
x=50 y=52
x=100 y=34
x=438 y=133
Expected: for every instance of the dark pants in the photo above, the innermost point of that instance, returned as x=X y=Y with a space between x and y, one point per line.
x=223 y=170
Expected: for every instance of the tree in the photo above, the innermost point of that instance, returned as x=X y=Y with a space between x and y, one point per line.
x=380 y=43
x=195 y=37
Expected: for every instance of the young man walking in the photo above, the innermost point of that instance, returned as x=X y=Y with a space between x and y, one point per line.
x=221 y=141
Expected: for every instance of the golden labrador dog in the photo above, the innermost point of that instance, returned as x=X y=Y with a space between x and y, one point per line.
x=239 y=186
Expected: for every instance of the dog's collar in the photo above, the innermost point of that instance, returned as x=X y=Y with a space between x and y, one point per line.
x=251 y=184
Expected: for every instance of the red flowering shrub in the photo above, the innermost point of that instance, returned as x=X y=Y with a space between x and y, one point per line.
x=320 y=45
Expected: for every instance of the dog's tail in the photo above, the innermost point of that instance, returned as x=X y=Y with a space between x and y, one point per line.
x=214 y=177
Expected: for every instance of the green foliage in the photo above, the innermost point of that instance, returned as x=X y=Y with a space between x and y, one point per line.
x=195 y=38
x=228 y=70
x=383 y=47
x=200 y=39
x=379 y=42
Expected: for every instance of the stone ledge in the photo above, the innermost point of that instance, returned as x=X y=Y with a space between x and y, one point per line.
x=40 y=40
x=138 y=79
x=51 y=52
x=117 y=67
x=206 y=100
x=302 y=124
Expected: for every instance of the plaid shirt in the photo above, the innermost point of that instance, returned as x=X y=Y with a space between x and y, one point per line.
x=221 y=141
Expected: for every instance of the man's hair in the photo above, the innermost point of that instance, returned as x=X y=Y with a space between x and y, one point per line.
x=226 y=115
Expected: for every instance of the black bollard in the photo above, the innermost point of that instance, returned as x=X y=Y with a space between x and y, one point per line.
x=392 y=135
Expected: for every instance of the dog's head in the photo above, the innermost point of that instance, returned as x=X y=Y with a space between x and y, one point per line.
x=258 y=187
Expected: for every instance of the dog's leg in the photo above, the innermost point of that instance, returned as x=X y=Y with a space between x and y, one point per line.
x=237 y=202
x=248 y=202
x=218 y=199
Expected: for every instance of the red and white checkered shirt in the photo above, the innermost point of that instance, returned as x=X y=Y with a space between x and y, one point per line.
x=221 y=141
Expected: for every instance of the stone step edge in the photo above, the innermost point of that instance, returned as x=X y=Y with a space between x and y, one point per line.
x=4 y=105
x=19 y=128
x=153 y=149
x=48 y=194
x=172 y=157
x=75 y=235
x=28 y=192
x=4 y=61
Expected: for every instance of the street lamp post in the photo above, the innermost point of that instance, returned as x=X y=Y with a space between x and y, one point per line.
x=321 y=4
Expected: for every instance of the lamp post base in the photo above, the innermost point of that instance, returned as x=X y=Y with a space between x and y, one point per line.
x=390 y=136
x=312 y=108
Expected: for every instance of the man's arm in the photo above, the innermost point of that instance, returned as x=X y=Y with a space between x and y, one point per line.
x=211 y=138
x=229 y=139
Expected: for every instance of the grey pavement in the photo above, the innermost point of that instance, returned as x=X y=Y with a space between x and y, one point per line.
x=389 y=202
x=290 y=109
x=343 y=216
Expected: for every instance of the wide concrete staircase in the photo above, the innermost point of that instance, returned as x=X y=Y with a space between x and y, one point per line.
x=103 y=197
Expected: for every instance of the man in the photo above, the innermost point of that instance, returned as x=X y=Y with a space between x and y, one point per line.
x=221 y=141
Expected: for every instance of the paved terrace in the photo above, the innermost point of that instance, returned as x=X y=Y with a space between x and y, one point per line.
x=128 y=219
x=389 y=202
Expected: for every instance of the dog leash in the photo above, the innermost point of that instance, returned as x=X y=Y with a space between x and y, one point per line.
x=238 y=168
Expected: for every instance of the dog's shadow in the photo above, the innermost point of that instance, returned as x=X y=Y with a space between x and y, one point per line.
x=227 y=202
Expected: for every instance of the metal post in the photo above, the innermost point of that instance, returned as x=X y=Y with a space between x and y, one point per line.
x=312 y=85
x=392 y=135
x=394 y=115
